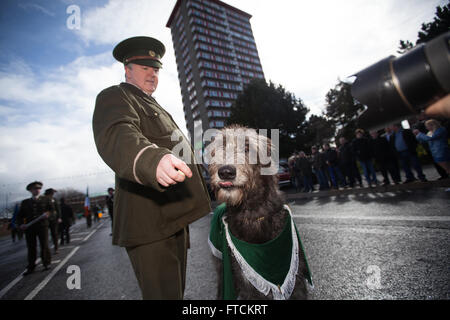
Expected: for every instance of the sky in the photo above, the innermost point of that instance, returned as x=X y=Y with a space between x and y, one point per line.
x=52 y=68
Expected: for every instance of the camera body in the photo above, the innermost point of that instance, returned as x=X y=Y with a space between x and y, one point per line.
x=397 y=87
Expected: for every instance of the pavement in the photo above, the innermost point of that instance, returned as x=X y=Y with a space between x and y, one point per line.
x=363 y=245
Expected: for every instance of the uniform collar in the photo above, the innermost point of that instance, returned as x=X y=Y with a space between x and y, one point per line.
x=134 y=88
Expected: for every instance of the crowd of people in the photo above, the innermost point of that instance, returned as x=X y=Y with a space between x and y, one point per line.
x=390 y=151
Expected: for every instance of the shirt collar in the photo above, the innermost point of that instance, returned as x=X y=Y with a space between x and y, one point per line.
x=135 y=86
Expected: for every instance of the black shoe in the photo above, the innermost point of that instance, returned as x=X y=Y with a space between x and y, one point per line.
x=442 y=178
x=409 y=181
x=385 y=184
x=29 y=271
x=424 y=180
x=46 y=267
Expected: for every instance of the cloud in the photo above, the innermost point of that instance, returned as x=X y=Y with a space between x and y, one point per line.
x=49 y=135
x=34 y=6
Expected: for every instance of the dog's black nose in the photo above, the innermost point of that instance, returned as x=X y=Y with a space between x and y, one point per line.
x=227 y=172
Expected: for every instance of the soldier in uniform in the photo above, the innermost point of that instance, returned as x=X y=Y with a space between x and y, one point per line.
x=110 y=204
x=30 y=209
x=157 y=195
x=54 y=218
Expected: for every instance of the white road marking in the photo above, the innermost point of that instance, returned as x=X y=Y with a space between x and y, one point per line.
x=75 y=239
x=51 y=275
x=90 y=234
x=389 y=218
x=44 y=282
x=15 y=281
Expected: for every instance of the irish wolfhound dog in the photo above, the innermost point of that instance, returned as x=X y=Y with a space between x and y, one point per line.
x=255 y=215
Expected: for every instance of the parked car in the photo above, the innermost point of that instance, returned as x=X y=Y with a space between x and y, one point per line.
x=284 y=176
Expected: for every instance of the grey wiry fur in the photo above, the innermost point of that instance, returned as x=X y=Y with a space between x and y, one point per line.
x=255 y=210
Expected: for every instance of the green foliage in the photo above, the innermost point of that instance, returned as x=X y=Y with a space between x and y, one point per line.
x=430 y=30
x=320 y=130
x=266 y=106
x=342 y=109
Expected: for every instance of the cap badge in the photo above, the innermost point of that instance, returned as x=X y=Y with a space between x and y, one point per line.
x=151 y=53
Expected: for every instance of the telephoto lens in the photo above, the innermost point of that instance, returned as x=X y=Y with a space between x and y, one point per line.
x=397 y=87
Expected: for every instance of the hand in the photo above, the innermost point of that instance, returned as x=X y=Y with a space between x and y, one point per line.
x=440 y=108
x=167 y=173
x=416 y=132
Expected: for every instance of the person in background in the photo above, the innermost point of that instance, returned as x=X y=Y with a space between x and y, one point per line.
x=437 y=139
x=385 y=158
x=32 y=209
x=420 y=125
x=363 y=150
x=298 y=173
x=291 y=163
x=95 y=211
x=346 y=161
x=66 y=218
x=306 y=171
x=319 y=166
x=332 y=161
x=13 y=227
x=110 y=205
x=54 y=218
x=404 y=142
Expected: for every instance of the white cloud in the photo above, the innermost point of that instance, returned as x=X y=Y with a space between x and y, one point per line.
x=34 y=6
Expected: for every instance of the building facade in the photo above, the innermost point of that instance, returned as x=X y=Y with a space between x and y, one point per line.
x=216 y=57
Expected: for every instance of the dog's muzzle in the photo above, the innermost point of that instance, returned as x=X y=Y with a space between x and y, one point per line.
x=226 y=173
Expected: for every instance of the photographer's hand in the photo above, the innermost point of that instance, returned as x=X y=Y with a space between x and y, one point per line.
x=440 y=108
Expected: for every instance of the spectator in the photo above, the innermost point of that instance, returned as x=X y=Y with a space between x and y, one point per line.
x=306 y=171
x=364 y=153
x=385 y=158
x=332 y=161
x=437 y=139
x=420 y=125
x=346 y=161
x=297 y=173
x=319 y=166
x=405 y=144
x=291 y=163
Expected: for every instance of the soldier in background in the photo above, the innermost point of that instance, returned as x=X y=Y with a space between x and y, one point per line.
x=33 y=209
x=66 y=217
x=54 y=219
x=95 y=211
x=110 y=205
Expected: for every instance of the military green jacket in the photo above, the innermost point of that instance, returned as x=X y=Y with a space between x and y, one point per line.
x=132 y=133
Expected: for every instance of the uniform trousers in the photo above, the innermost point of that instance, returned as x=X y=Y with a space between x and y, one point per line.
x=160 y=267
x=41 y=232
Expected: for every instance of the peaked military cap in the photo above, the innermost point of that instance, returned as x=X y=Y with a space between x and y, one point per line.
x=50 y=191
x=144 y=51
x=36 y=184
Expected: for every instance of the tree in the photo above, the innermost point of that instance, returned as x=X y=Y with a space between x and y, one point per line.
x=320 y=130
x=430 y=30
x=342 y=109
x=266 y=106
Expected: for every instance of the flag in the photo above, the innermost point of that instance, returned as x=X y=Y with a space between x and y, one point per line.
x=87 y=204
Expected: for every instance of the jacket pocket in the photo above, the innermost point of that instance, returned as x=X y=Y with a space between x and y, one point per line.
x=156 y=124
